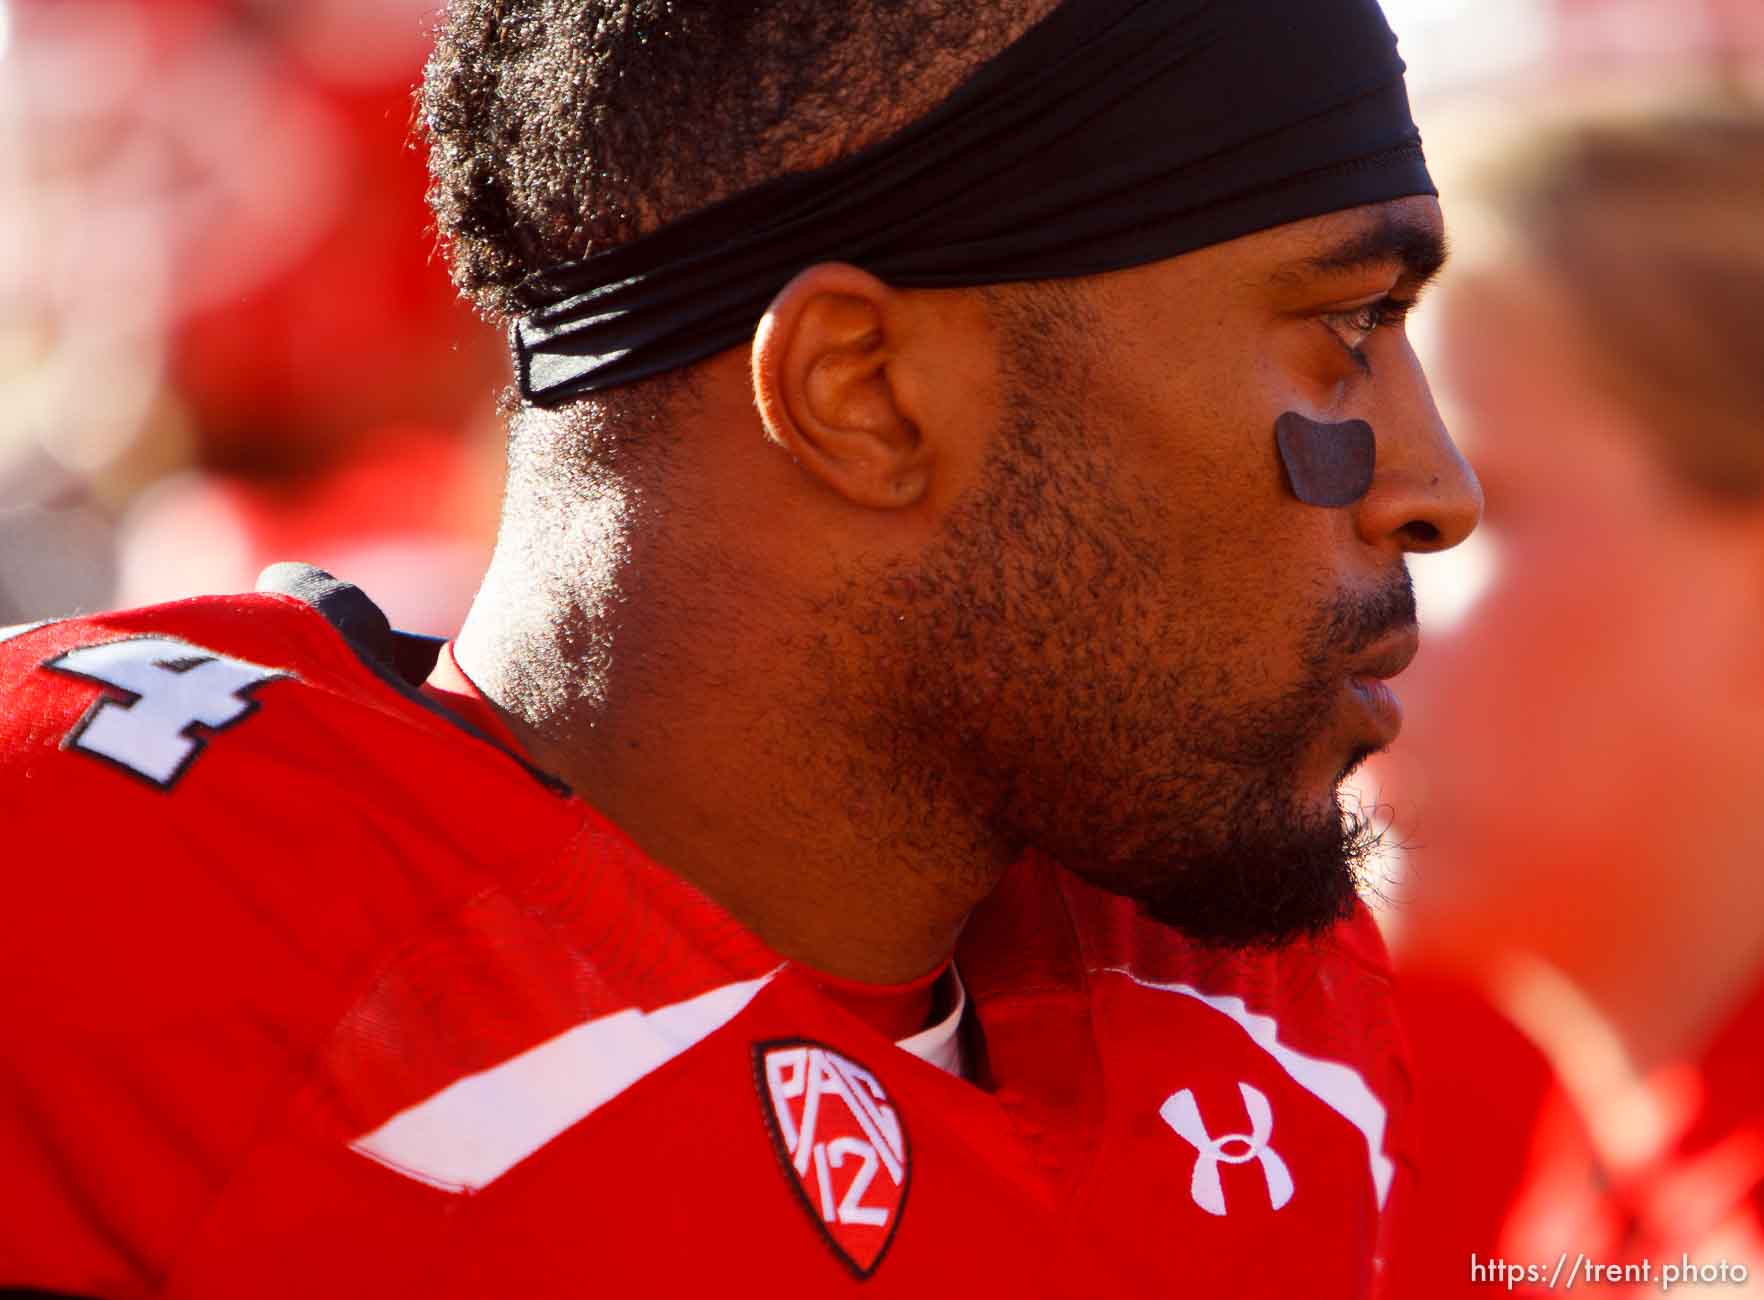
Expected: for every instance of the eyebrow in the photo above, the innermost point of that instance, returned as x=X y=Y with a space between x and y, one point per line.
x=1389 y=237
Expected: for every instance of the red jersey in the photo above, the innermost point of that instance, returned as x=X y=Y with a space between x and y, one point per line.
x=313 y=988
x=1512 y=1171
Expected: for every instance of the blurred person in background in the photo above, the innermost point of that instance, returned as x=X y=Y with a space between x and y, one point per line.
x=1581 y=929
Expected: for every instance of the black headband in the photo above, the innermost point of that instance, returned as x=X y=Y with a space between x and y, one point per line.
x=1114 y=133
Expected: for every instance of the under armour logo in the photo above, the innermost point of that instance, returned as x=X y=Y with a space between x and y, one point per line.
x=1180 y=1113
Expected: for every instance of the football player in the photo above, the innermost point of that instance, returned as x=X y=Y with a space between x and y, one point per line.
x=878 y=828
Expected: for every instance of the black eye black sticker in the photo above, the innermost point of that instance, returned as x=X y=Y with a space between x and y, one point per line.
x=1326 y=464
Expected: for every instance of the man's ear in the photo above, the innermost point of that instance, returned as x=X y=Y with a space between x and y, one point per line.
x=823 y=383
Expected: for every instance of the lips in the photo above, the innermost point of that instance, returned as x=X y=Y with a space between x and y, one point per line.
x=1387 y=656
x=1366 y=681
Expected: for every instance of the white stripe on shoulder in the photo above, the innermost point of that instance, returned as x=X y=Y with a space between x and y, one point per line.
x=8 y=633
x=1337 y=1085
x=476 y=1129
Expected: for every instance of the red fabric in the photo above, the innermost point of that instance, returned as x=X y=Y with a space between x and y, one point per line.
x=1512 y=1172
x=1708 y=1187
x=448 y=685
x=895 y=1011
x=1481 y=1089
x=346 y=913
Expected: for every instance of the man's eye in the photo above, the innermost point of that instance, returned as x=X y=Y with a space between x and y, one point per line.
x=1353 y=328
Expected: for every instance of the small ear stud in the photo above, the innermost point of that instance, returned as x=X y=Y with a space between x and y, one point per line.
x=1326 y=464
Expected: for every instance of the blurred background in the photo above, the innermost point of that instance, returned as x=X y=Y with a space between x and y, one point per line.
x=226 y=339
x=224 y=335
x=1573 y=877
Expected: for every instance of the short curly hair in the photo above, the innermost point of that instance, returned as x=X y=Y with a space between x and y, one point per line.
x=558 y=128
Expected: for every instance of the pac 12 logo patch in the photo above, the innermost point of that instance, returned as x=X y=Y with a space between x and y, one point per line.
x=840 y=1143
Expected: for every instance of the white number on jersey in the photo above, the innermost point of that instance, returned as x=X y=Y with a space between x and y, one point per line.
x=174 y=688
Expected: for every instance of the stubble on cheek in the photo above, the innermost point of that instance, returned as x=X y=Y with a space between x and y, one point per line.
x=1086 y=668
x=1113 y=667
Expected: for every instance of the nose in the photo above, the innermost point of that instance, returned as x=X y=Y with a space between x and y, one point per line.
x=1424 y=495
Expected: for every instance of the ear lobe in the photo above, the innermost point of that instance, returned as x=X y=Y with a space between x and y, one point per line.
x=822 y=384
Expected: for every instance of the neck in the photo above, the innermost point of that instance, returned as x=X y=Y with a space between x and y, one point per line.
x=683 y=703
x=1620 y=1053
x=1659 y=959
x=1667 y=987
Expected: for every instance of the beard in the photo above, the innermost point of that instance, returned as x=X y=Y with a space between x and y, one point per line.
x=1230 y=854
x=1029 y=668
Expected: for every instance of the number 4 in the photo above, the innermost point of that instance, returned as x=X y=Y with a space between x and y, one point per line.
x=173 y=688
